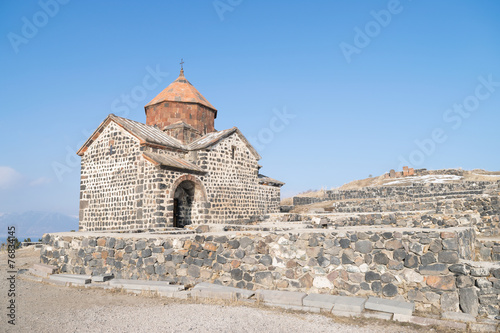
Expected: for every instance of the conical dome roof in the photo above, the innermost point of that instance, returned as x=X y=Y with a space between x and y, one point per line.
x=181 y=90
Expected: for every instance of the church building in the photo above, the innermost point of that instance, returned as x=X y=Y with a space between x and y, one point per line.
x=173 y=171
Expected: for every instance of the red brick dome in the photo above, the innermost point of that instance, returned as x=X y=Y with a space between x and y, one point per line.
x=181 y=90
x=181 y=102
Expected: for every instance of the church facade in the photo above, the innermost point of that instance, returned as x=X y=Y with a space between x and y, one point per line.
x=173 y=171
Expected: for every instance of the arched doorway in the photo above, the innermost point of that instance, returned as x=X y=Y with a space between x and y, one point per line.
x=184 y=203
x=188 y=198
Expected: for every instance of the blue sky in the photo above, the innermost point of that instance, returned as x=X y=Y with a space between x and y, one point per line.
x=328 y=91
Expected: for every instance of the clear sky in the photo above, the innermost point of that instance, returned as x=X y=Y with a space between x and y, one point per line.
x=327 y=91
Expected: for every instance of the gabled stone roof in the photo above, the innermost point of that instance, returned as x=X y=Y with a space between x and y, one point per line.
x=211 y=139
x=181 y=90
x=172 y=162
x=153 y=136
x=180 y=124
x=146 y=134
x=264 y=180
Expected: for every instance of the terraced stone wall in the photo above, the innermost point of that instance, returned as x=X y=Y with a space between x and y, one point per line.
x=402 y=193
x=424 y=266
x=401 y=219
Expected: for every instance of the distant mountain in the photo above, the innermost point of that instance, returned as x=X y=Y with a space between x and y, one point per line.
x=34 y=224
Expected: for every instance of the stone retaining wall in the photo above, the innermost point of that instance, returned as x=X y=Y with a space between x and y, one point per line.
x=381 y=205
x=482 y=212
x=397 y=219
x=416 y=265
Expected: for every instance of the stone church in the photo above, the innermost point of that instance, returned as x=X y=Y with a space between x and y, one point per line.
x=173 y=171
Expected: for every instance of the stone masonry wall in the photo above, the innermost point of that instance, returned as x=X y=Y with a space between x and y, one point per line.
x=232 y=183
x=269 y=199
x=110 y=177
x=424 y=266
x=120 y=190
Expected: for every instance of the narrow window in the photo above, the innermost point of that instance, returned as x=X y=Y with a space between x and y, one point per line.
x=233 y=151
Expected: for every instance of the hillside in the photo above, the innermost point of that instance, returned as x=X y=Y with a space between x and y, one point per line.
x=432 y=176
x=444 y=176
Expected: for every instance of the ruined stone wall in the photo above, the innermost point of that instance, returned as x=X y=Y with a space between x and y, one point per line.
x=486 y=206
x=455 y=172
x=401 y=193
x=381 y=205
x=424 y=266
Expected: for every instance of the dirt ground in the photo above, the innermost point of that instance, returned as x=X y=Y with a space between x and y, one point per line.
x=47 y=308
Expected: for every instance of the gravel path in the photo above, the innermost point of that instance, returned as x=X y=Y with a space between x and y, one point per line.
x=46 y=308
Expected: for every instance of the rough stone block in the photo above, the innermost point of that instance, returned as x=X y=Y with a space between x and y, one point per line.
x=210 y=290
x=449 y=301
x=469 y=302
x=363 y=246
x=458 y=316
x=464 y=281
x=391 y=306
x=441 y=282
x=264 y=278
x=479 y=271
x=459 y=269
x=377 y=315
x=281 y=297
x=350 y=304
x=142 y=285
x=322 y=301
x=480 y=327
x=448 y=257
x=390 y=290
x=102 y=278
x=73 y=279
x=45 y=269
x=434 y=269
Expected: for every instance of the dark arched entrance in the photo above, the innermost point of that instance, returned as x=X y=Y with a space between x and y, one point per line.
x=184 y=203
